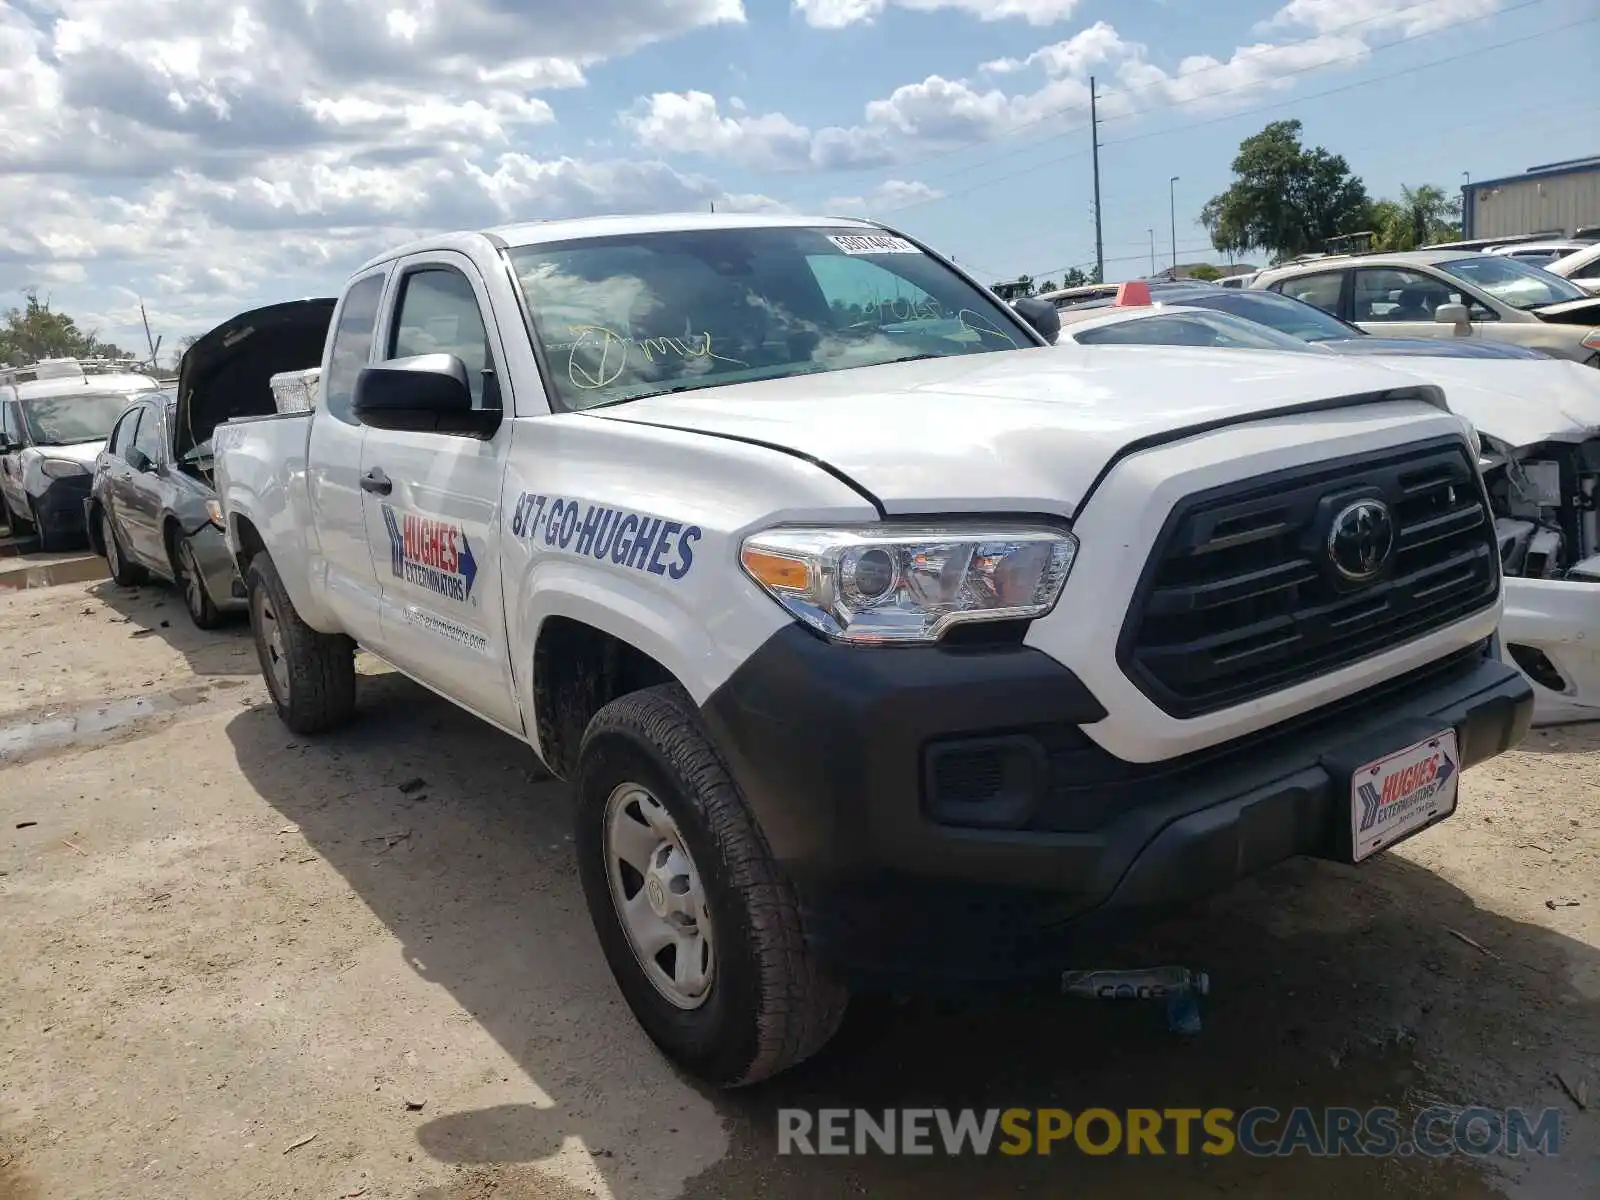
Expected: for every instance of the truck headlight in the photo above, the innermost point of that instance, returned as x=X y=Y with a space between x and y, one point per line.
x=909 y=584
x=61 y=468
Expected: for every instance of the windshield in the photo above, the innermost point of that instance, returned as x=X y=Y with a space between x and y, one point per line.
x=75 y=417
x=1512 y=282
x=1283 y=313
x=639 y=315
x=1214 y=329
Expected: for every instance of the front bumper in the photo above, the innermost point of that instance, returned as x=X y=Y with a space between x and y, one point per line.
x=60 y=507
x=1551 y=630
x=944 y=817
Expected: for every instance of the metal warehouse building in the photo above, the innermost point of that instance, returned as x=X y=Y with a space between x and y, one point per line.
x=1558 y=199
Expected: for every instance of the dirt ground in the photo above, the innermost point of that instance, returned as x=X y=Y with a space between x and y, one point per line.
x=237 y=963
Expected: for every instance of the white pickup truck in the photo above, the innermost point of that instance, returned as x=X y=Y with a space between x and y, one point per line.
x=881 y=643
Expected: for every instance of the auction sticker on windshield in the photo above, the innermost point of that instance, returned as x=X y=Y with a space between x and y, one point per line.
x=1401 y=793
x=872 y=243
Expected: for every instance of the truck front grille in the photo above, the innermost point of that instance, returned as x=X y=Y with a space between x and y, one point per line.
x=1242 y=595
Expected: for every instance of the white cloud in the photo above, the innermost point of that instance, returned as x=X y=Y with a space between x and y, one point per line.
x=1204 y=82
x=1371 y=16
x=887 y=197
x=837 y=14
x=1075 y=56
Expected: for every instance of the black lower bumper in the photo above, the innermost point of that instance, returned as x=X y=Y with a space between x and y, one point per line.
x=943 y=815
x=59 y=508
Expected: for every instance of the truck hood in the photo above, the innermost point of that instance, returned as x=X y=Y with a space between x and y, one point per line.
x=1008 y=431
x=1519 y=403
x=226 y=373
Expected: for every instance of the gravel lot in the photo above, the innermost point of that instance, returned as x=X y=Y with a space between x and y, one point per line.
x=221 y=941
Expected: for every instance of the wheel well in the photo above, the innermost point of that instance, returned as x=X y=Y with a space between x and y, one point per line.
x=249 y=541
x=171 y=531
x=577 y=671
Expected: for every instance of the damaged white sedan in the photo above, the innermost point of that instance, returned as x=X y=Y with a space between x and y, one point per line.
x=1539 y=422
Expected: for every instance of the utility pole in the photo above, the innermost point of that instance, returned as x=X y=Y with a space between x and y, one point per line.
x=147 y=340
x=1172 y=203
x=1152 y=234
x=1094 y=140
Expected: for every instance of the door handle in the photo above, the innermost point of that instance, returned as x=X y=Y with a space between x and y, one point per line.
x=377 y=482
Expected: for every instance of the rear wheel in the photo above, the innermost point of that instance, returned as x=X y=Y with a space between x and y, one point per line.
x=310 y=675
x=698 y=925
x=192 y=581
x=122 y=571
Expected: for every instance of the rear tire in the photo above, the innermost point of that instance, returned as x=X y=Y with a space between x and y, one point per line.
x=191 y=582
x=768 y=1005
x=311 y=676
x=123 y=572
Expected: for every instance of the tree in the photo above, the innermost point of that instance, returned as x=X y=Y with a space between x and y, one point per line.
x=36 y=331
x=190 y=339
x=1074 y=278
x=1422 y=215
x=1285 y=198
x=1204 y=271
x=1048 y=285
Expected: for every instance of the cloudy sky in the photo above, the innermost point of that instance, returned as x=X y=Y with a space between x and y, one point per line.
x=208 y=157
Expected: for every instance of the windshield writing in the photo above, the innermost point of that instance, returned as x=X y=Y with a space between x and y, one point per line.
x=62 y=420
x=1512 y=282
x=638 y=315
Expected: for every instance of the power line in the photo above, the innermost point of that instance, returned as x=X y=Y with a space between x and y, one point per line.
x=1371 y=79
x=1079 y=107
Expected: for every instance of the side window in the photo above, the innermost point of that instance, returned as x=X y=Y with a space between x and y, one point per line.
x=122 y=435
x=1590 y=270
x=1392 y=294
x=1320 y=290
x=439 y=314
x=858 y=291
x=149 y=438
x=11 y=415
x=352 y=345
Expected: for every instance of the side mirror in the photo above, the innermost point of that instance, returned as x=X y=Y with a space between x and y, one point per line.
x=426 y=393
x=139 y=460
x=1040 y=314
x=1454 y=314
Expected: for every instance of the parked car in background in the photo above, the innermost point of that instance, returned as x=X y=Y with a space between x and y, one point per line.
x=1540 y=254
x=1582 y=269
x=152 y=508
x=1538 y=421
x=54 y=418
x=1310 y=324
x=1448 y=293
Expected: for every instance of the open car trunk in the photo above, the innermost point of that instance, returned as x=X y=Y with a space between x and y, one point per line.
x=227 y=373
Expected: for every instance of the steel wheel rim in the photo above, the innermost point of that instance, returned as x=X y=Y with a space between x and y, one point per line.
x=193 y=587
x=659 y=897
x=109 y=536
x=271 y=634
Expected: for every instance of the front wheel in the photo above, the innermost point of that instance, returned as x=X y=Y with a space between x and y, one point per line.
x=49 y=540
x=123 y=572
x=698 y=925
x=311 y=676
x=196 y=599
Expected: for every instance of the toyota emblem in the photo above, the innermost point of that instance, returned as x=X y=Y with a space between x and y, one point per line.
x=1361 y=539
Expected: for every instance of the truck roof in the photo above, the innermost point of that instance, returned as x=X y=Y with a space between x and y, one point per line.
x=530 y=233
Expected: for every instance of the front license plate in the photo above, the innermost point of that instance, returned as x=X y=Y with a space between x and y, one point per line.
x=1401 y=793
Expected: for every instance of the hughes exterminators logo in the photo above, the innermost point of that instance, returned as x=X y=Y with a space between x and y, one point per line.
x=431 y=554
x=1402 y=792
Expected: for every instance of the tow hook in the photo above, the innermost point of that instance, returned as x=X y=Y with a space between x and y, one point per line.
x=1178 y=987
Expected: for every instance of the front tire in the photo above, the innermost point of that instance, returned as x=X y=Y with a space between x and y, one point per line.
x=749 y=1000
x=123 y=572
x=192 y=582
x=49 y=539
x=311 y=676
